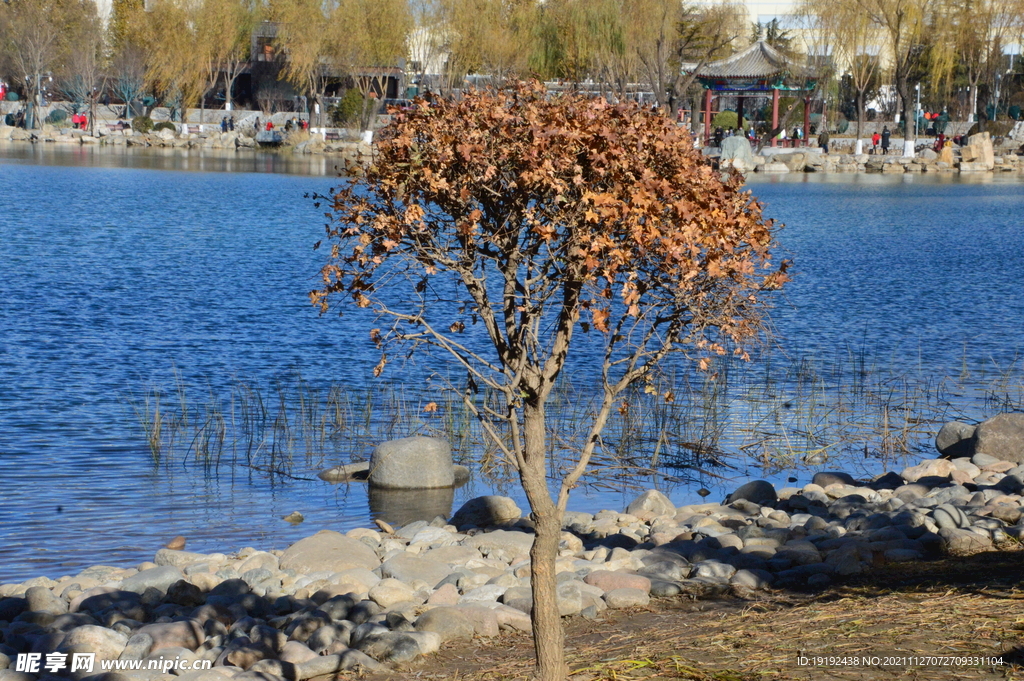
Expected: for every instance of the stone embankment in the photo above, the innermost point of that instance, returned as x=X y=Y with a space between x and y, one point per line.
x=374 y=597
x=978 y=156
x=302 y=143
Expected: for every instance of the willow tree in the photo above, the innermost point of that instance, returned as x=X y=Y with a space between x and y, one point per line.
x=904 y=24
x=370 y=39
x=537 y=218
x=306 y=37
x=176 y=65
x=224 y=38
x=491 y=37
x=854 y=41
x=968 y=39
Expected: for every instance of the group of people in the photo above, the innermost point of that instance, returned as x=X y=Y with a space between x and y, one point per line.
x=227 y=124
x=79 y=121
x=881 y=138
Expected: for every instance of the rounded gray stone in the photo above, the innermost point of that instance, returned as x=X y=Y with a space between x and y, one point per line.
x=449 y=623
x=759 y=491
x=412 y=463
x=955 y=439
x=486 y=512
x=160 y=577
x=1002 y=437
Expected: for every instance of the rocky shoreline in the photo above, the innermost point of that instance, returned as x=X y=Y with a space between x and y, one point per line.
x=303 y=143
x=979 y=156
x=376 y=597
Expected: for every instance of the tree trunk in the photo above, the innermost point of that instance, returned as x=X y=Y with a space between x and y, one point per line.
x=860 y=111
x=547 y=623
x=904 y=92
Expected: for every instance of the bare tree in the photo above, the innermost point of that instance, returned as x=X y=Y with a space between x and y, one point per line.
x=83 y=77
x=128 y=74
x=666 y=34
x=539 y=218
x=34 y=41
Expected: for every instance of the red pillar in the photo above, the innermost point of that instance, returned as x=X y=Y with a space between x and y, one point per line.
x=807 y=121
x=707 y=117
x=775 y=115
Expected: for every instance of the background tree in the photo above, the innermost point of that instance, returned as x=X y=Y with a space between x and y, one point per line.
x=666 y=34
x=903 y=24
x=492 y=37
x=34 y=41
x=224 y=29
x=177 y=62
x=370 y=40
x=306 y=33
x=128 y=74
x=83 y=77
x=854 y=42
x=536 y=218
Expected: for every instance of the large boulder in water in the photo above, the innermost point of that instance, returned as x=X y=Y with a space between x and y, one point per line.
x=412 y=463
x=1002 y=437
x=737 y=147
x=955 y=439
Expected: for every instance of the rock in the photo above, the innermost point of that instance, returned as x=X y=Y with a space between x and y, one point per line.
x=41 y=599
x=408 y=568
x=296 y=652
x=1002 y=437
x=185 y=593
x=609 y=581
x=448 y=623
x=713 y=571
x=947 y=516
x=824 y=479
x=959 y=541
x=652 y=501
x=929 y=468
x=412 y=463
x=626 y=598
x=510 y=542
x=160 y=577
x=328 y=551
x=390 y=591
x=294 y=518
x=347 y=473
x=138 y=647
x=751 y=579
x=737 y=148
x=984 y=461
x=330 y=665
x=187 y=634
x=176 y=544
x=955 y=439
x=487 y=512
x=106 y=643
x=447 y=594
x=179 y=559
x=399 y=647
x=758 y=491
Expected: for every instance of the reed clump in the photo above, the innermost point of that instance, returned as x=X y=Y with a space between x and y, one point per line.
x=850 y=411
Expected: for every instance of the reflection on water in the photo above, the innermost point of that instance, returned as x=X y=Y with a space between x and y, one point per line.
x=402 y=506
x=169 y=158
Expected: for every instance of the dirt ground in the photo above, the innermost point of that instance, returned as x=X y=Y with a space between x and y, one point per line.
x=947 y=609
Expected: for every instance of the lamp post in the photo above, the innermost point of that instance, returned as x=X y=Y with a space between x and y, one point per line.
x=908 y=149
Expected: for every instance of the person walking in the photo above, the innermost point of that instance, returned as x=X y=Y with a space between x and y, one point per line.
x=224 y=124
x=885 y=139
x=823 y=139
x=875 y=139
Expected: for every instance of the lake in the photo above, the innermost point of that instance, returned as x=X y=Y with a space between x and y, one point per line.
x=127 y=274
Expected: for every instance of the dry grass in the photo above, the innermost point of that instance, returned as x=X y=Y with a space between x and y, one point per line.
x=967 y=607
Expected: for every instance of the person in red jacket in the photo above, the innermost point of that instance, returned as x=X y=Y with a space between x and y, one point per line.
x=270 y=125
x=875 y=139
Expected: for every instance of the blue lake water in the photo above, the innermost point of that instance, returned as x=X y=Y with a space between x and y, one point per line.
x=121 y=273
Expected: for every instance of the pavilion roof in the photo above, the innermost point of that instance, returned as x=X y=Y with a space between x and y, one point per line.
x=760 y=60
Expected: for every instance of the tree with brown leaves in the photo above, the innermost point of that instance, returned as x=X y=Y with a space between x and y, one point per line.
x=534 y=219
